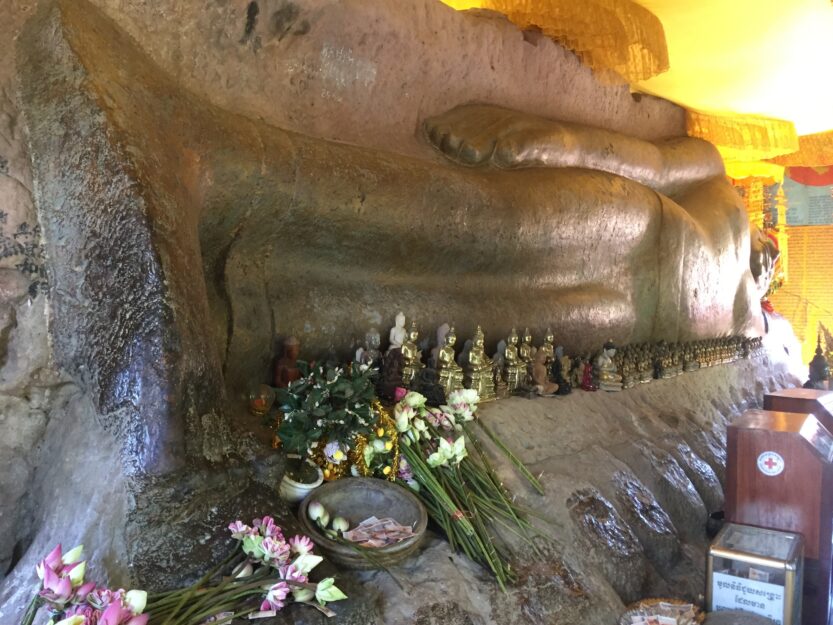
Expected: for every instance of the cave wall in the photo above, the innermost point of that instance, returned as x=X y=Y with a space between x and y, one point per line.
x=29 y=385
x=369 y=73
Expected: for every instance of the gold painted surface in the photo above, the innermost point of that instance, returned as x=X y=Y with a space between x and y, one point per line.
x=744 y=138
x=618 y=39
x=815 y=150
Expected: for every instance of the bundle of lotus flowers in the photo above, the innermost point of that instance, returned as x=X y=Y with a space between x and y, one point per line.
x=443 y=460
x=261 y=576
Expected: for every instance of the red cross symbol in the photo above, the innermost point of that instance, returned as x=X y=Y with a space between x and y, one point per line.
x=770 y=463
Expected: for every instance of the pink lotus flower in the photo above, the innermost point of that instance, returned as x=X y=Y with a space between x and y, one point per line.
x=90 y=614
x=292 y=574
x=117 y=614
x=83 y=591
x=405 y=472
x=267 y=528
x=51 y=561
x=301 y=545
x=56 y=589
x=276 y=597
x=102 y=597
x=274 y=551
x=399 y=394
x=240 y=530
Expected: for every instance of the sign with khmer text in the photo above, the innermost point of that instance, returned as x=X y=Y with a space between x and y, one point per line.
x=738 y=593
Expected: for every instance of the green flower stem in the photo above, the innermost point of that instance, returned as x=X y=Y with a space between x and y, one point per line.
x=216 y=592
x=230 y=600
x=160 y=598
x=500 y=518
x=487 y=543
x=31 y=610
x=205 y=578
x=430 y=482
x=481 y=541
x=473 y=543
x=494 y=492
x=519 y=465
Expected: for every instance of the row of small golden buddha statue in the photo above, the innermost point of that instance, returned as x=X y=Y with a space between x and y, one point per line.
x=519 y=366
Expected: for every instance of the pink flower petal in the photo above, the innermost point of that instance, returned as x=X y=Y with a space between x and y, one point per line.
x=112 y=615
x=54 y=555
x=64 y=589
x=84 y=590
x=50 y=579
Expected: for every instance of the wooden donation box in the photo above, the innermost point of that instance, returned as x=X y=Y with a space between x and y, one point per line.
x=756 y=570
x=803 y=401
x=779 y=475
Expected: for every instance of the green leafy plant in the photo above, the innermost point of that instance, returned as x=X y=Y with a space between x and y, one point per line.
x=330 y=404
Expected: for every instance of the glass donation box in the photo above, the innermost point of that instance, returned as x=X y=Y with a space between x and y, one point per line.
x=779 y=475
x=756 y=570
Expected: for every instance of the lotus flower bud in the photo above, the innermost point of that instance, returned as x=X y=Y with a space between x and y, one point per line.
x=340 y=524
x=324 y=519
x=378 y=445
x=316 y=510
x=302 y=594
x=73 y=555
x=136 y=600
x=76 y=575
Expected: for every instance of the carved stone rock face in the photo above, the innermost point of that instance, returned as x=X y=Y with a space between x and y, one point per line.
x=611 y=543
x=213 y=232
x=703 y=477
x=648 y=520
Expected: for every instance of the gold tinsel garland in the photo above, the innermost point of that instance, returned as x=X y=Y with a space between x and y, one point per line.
x=744 y=138
x=386 y=423
x=814 y=150
x=355 y=455
x=618 y=39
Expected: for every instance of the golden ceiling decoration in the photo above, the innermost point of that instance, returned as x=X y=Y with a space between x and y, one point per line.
x=738 y=170
x=744 y=138
x=618 y=39
x=814 y=150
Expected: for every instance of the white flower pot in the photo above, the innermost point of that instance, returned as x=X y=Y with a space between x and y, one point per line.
x=293 y=491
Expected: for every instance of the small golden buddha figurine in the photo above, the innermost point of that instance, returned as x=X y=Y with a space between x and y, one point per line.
x=515 y=371
x=479 y=375
x=450 y=373
x=548 y=348
x=646 y=366
x=628 y=373
x=609 y=378
x=411 y=357
x=689 y=361
x=526 y=351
